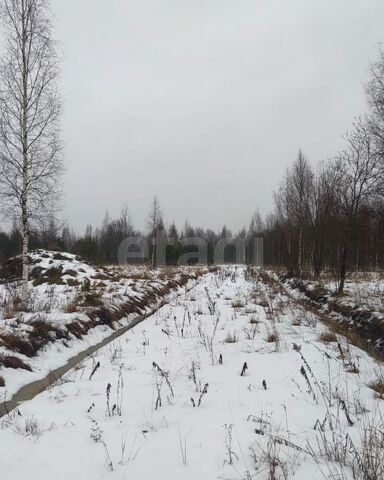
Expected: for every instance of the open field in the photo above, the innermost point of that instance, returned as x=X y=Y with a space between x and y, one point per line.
x=234 y=379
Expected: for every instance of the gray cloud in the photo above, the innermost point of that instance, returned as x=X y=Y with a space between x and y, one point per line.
x=204 y=102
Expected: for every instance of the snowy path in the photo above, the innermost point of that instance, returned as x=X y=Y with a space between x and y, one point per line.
x=135 y=417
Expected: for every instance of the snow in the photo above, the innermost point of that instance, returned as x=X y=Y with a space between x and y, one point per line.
x=49 y=302
x=72 y=430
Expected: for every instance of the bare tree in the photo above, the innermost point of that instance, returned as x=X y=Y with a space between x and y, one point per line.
x=362 y=180
x=323 y=208
x=375 y=97
x=293 y=202
x=30 y=160
x=154 y=226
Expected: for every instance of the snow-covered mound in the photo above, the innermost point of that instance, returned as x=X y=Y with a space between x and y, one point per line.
x=71 y=301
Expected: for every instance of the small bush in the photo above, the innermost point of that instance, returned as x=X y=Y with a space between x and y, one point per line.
x=231 y=338
x=328 y=337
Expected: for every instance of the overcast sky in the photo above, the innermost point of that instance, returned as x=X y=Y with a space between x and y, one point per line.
x=204 y=102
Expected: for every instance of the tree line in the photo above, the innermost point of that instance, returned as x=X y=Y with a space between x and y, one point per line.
x=329 y=217
x=332 y=217
x=100 y=245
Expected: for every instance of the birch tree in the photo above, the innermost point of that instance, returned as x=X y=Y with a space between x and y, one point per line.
x=154 y=226
x=30 y=150
x=362 y=181
x=375 y=98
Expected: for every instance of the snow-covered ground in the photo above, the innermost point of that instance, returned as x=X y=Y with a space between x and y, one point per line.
x=168 y=401
x=360 y=308
x=73 y=305
x=364 y=290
